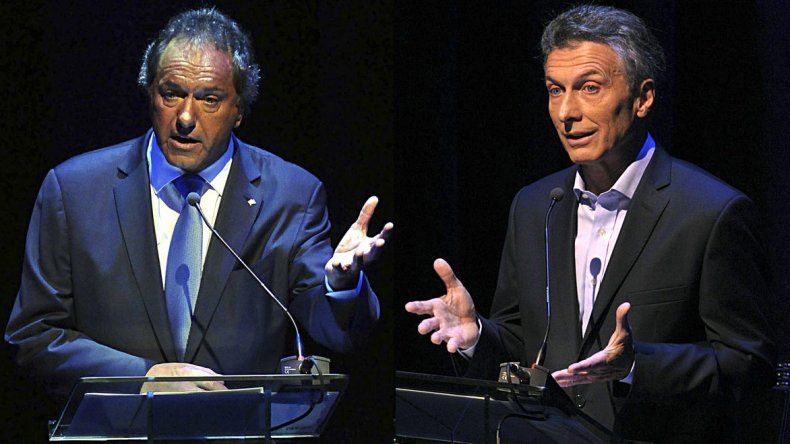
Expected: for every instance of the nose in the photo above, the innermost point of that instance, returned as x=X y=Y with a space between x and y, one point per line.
x=186 y=118
x=569 y=111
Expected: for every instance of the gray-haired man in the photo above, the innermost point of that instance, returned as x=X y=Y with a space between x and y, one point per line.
x=656 y=271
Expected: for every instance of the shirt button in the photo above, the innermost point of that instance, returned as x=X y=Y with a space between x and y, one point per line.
x=584 y=195
x=580 y=401
x=601 y=232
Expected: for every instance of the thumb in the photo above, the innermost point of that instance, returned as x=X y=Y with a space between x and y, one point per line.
x=621 y=318
x=446 y=274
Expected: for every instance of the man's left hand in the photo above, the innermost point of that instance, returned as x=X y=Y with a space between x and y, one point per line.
x=356 y=250
x=610 y=364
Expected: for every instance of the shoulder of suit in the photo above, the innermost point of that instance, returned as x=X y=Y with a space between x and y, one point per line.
x=108 y=157
x=100 y=161
x=695 y=185
x=273 y=166
x=539 y=190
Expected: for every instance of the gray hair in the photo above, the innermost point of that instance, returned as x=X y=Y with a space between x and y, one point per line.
x=629 y=37
x=207 y=26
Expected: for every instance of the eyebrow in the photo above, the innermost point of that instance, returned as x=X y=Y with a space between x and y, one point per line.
x=210 y=90
x=200 y=91
x=584 y=75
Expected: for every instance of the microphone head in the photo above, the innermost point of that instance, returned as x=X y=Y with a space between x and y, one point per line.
x=557 y=194
x=193 y=198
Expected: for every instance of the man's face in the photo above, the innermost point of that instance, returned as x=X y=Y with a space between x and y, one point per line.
x=194 y=105
x=590 y=102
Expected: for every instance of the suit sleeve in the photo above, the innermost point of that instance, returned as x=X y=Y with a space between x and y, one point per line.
x=737 y=356
x=41 y=327
x=500 y=339
x=337 y=320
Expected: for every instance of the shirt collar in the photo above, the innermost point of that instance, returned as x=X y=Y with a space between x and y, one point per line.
x=161 y=172
x=628 y=181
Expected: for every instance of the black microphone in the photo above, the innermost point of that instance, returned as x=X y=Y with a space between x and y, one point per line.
x=556 y=195
x=194 y=200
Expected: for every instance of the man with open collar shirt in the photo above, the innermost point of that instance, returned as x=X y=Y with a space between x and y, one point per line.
x=657 y=273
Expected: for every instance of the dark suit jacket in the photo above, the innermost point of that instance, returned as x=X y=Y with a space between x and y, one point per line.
x=91 y=300
x=687 y=259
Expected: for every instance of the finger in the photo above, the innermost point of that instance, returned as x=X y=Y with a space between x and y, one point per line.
x=588 y=364
x=428 y=325
x=366 y=213
x=437 y=337
x=452 y=345
x=563 y=378
x=420 y=307
x=193 y=370
x=359 y=260
x=446 y=274
x=210 y=385
x=622 y=318
x=386 y=231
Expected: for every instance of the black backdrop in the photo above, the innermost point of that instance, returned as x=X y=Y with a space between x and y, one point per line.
x=472 y=128
x=325 y=104
x=437 y=107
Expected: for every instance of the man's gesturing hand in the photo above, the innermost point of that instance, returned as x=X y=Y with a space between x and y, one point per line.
x=610 y=364
x=356 y=249
x=453 y=319
x=181 y=369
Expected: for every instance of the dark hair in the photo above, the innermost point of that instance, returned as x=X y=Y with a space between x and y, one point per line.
x=207 y=26
x=629 y=37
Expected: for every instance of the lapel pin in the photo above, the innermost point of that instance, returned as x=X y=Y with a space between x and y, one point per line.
x=251 y=202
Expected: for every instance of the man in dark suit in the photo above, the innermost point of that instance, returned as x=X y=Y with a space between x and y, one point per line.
x=639 y=235
x=121 y=276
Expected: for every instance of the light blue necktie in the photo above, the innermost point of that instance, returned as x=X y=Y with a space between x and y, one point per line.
x=184 y=264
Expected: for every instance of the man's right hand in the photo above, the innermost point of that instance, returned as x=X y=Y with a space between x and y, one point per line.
x=453 y=318
x=181 y=369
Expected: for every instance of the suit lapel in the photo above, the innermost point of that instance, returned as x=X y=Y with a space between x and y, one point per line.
x=646 y=207
x=565 y=305
x=133 y=206
x=234 y=220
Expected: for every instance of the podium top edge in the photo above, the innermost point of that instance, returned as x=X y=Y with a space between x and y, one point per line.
x=226 y=378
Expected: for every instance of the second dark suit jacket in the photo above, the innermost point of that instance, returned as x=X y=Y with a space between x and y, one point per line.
x=687 y=259
x=91 y=301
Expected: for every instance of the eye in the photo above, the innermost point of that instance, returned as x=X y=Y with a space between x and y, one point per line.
x=554 y=90
x=169 y=96
x=591 y=88
x=211 y=100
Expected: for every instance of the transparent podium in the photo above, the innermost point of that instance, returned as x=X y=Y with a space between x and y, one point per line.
x=259 y=407
x=433 y=408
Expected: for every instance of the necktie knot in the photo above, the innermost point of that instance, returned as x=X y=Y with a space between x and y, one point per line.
x=189 y=183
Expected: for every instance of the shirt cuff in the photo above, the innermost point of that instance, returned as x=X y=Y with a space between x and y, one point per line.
x=630 y=377
x=345 y=294
x=469 y=352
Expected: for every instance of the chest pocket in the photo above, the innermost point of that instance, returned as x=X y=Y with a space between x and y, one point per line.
x=660 y=296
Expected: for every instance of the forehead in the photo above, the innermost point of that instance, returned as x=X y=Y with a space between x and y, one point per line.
x=583 y=57
x=194 y=61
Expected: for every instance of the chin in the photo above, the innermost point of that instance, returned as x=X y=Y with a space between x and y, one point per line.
x=186 y=164
x=583 y=155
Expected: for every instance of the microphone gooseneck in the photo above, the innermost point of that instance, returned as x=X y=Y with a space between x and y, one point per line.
x=194 y=200
x=556 y=195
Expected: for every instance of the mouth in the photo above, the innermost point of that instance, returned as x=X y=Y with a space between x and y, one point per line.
x=579 y=138
x=183 y=143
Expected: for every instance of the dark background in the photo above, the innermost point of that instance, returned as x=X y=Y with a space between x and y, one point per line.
x=326 y=104
x=472 y=128
x=439 y=108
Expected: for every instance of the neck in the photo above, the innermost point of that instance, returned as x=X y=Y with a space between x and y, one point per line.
x=601 y=175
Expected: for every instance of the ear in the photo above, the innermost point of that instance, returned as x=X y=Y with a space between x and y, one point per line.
x=643 y=102
x=240 y=110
